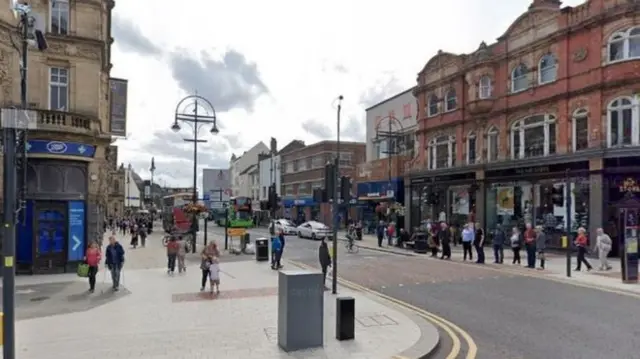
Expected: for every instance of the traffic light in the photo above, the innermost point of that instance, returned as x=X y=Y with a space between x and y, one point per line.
x=345 y=189
x=273 y=198
x=330 y=180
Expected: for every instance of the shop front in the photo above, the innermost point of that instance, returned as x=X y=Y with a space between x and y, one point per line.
x=377 y=199
x=448 y=197
x=555 y=196
x=301 y=209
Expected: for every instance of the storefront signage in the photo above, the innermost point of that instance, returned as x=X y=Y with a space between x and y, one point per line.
x=379 y=188
x=298 y=202
x=469 y=176
x=76 y=235
x=539 y=170
x=629 y=185
x=60 y=148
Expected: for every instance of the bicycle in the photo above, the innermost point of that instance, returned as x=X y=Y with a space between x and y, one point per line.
x=352 y=247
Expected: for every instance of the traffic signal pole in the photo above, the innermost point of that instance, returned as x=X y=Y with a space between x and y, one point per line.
x=336 y=197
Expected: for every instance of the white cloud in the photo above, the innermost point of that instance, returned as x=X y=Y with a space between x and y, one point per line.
x=269 y=66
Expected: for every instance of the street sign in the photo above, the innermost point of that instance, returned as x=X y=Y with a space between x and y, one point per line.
x=206 y=197
x=236 y=232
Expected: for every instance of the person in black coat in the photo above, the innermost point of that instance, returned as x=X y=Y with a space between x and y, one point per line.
x=444 y=237
x=324 y=258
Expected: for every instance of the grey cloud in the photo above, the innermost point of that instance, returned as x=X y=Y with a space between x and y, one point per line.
x=169 y=147
x=354 y=129
x=380 y=91
x=234 y=140
x=131 y=39
x=229 y=83
x=317 y=128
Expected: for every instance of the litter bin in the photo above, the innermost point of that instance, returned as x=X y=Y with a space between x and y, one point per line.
x=262 y=249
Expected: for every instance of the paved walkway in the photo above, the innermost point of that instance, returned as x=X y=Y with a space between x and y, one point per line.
x=167 y=317
x=555 y=265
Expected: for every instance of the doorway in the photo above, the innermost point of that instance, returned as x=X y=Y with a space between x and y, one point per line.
x=50 y=236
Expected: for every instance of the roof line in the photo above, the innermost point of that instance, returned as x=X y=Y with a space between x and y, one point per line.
x=390 y=98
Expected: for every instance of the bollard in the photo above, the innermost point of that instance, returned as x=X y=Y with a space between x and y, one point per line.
x=567 y=246
x=345 y=318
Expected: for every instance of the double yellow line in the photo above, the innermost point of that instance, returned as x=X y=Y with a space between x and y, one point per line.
x=453 y=331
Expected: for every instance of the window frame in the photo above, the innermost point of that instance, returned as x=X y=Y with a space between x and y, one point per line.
x=578 y=114
x=524 y=75
x=472 y=136
x=553 y=67
x=624 y=39
x=485 y=87
x=635 y=118
x=58 y=84
x=520 y=126
x=493 y=132
x=450 y=95
x=58 y=12
x=432 y=100
x=439 y=140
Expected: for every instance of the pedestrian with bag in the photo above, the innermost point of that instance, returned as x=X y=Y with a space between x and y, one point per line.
x=603 y=245
x=92 y=259
x=114 y=260
x=516 y=245
x=582 y=242
x=207 y=255
x=325 y=260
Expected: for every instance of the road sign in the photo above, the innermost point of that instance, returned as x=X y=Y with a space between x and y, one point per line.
x=236 y=232
x=206 y=197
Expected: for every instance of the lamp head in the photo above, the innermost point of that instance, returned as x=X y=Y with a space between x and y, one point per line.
x=175 y=127
x=214 y=130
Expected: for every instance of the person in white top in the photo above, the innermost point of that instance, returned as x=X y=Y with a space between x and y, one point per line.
x=214 y=274
x=603 y=245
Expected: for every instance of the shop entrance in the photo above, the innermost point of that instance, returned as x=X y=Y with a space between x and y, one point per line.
x=50 y=235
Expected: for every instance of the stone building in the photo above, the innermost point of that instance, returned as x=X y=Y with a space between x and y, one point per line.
x=541 y=126
x=68 y=88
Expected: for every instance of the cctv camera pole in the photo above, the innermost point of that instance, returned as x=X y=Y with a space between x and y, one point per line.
x=336 y=198
x=9 y=208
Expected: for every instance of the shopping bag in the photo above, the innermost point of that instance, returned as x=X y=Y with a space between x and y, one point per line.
x=83 y=270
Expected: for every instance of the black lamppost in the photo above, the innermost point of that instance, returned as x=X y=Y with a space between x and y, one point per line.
x=393 y=134
x=152 y=169
x=128 y=181
x=195 y=111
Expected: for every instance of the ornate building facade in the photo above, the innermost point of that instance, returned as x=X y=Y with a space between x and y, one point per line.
x=68 y=88
x=541 y=126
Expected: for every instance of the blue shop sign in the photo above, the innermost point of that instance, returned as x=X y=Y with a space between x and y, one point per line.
x=61 y=148
x=382 y=189
x=76 y=239
x=295 y=202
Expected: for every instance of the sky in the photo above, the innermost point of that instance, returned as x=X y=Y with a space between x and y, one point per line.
x=275 y=68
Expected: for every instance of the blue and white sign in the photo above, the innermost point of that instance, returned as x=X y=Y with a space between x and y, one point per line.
x=76 y=240
x=206 y=197
x=60 y=148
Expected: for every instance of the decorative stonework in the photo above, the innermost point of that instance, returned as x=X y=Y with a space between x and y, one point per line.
x=73 y=50
x=6 y=79
x=580 y=55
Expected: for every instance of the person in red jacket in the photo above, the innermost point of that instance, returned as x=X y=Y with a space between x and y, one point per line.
x=93 y=257
x=582 y=243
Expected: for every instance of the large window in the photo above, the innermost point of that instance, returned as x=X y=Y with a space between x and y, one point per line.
x=492 y=144
x=59 y=17
x=289 y=168
x=442 y=152
x=471 y=148
x=317 y=161
x=304 y=188
x=519 y=80
x=432 y=105
x=533 y=136
x=548 y=69
x=624 y=45
x=288 y=190
x=301 y=164
x=58 y=89
x=451 y=100
x=580 y=130
x=622 y=120
x=485 y=88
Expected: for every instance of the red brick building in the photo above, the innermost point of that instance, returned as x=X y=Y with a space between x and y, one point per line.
x=303 y=170
x=541 y=126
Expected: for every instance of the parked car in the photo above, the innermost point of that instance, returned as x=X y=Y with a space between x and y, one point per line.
x=283 y=225
x=314 y=230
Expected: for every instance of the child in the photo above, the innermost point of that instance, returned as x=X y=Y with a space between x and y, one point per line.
x=214 y=274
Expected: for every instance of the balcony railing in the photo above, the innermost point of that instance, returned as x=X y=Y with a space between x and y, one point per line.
x=59 y=121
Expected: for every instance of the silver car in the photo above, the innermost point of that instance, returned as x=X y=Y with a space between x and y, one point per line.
x=313 y=230
x=284 y=225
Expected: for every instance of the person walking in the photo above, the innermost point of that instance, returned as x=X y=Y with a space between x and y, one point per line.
x=541 y=245
x=530 y=245
x=276 y=252
x=325 y=260
x=516 y=245
x=499 y=239
x=468 y=236
x=142 y=232
x=603 y=246
x=114 y=260
x=207 y=256
x=479 y=243
x=173 y=247
x=380 y=232
x=183 y=248
x=93 y=257
x=444 y=237
x=582 y=242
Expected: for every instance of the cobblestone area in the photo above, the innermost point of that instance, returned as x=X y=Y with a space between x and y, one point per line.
x=148 y=323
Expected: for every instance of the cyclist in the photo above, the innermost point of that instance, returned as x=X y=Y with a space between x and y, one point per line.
x=351 y=235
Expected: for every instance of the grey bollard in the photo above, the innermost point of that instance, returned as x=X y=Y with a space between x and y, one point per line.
x=345 y=318
x=300 y=310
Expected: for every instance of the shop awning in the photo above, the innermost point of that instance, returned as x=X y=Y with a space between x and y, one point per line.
x=376 y=198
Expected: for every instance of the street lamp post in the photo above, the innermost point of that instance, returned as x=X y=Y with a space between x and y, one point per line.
x=152 y=169
x=195 y=111
x=393 y=138
x=128 y=181
x=336 y=207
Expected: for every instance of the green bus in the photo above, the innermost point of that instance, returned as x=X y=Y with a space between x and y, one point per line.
x=240 y=213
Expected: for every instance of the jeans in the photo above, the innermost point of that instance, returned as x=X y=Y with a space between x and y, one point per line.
x=531 y=256
x=115 y=275
x=93 y=271
x=480 y=252
x=541 y=257
x=205 y=278
x=582 y=251
x=498 y=253
x=466 y=250
x=516 y=255
x=277 y=257
x=324 y=274
x=171 y=262
x=380 y=238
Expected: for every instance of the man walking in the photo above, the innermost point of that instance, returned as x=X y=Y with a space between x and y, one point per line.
x=499 y=239
x=114 y=260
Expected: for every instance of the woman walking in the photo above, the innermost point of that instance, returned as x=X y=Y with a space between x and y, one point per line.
x=541 y=245
x=208 y=255
x=582 y=242
x=93 y=257
x=603 y=245
x=530 y=245
x=516 y=245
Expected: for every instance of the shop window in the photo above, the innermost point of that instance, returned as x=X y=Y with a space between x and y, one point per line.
x=462 y=205
x=624 y=45
x=471 y=148
x=492 y=144
x=433 y=106
x=533 y=136
x=519 y=80
x=442 y=152
x=548 y=69
x=580 y=130
x=623 y=123
x=451 y=100
x=485 y=87
x=428 y=204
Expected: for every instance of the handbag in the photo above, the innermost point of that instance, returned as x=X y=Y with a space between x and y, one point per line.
x=83 y=270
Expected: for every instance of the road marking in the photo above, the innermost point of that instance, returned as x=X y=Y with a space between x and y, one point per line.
x=448 y=327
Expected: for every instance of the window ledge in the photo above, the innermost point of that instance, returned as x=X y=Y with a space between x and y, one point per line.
x=615 y=62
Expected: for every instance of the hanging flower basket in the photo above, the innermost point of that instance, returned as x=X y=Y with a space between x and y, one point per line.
x=195 y=208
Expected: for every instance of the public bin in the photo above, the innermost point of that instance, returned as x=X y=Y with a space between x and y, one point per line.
x=262 y=249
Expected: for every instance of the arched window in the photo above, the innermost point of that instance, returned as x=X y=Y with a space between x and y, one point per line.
x=492 y=144
x=623 y=122
x=580 y=130
x=533 y=136
x=485 y=88
x=548 y=69
x=519 y=80
x=433 y=105
x=624 y=45
x=471 y=148
x=451 y=100
x=442 y=152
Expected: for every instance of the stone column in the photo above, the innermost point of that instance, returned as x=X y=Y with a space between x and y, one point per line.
x=480 y=198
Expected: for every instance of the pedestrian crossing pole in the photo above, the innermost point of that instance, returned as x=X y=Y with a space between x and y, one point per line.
x=336 y=208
